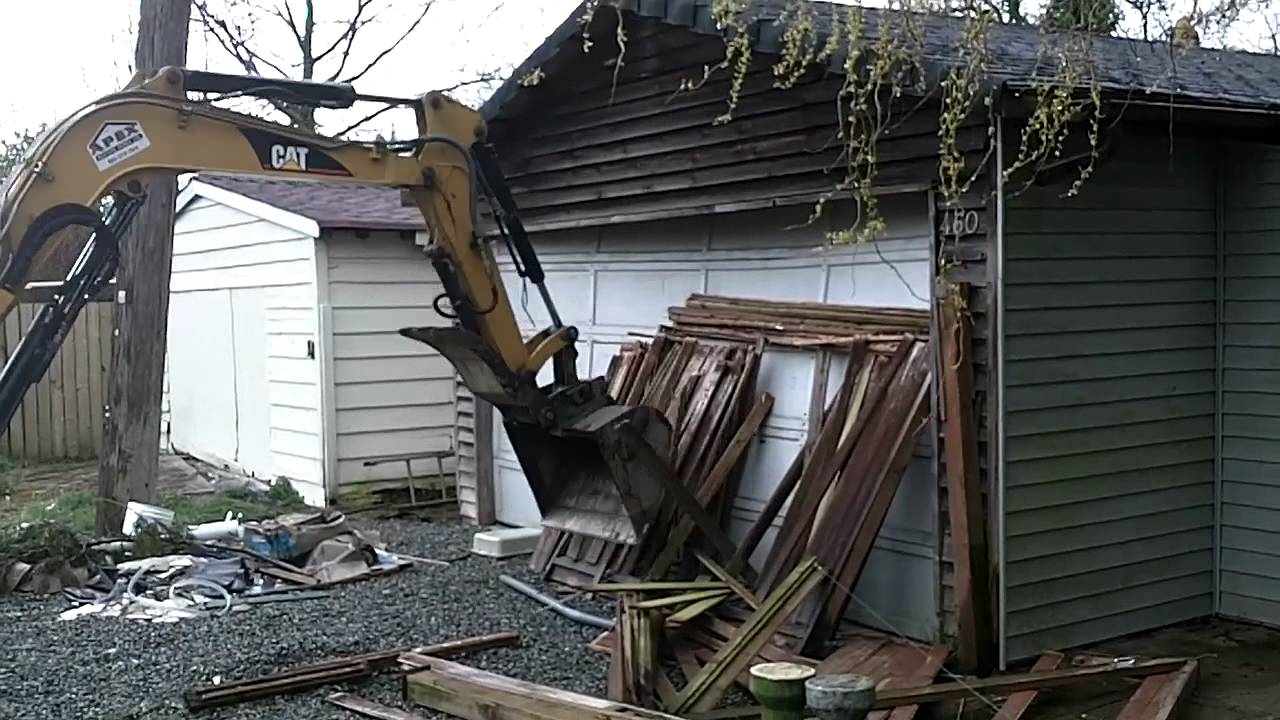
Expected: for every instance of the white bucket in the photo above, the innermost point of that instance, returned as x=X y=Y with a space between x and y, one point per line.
x=134 y=512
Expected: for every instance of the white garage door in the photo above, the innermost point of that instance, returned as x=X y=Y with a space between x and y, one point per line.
x=614 y=281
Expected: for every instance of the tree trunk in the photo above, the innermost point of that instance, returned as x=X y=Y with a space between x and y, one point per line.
x=129 y=463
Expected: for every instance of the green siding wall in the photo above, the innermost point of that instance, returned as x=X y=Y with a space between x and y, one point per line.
x=1109 y=381
x=1250 y=513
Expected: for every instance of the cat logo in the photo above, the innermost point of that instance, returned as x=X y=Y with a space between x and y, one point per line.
x=289 y=157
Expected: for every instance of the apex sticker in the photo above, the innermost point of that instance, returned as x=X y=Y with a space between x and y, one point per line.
x=284 y=154
x=116 y=142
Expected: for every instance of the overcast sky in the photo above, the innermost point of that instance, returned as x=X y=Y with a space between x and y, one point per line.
x=76 y=50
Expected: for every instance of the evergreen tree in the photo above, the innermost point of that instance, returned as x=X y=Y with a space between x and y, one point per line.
x=1093 y=16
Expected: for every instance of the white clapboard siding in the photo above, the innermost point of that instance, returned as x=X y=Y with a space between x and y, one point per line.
x=392 y=395
x=243 y=379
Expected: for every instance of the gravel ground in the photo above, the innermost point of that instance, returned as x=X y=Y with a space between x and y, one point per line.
x=111 y=668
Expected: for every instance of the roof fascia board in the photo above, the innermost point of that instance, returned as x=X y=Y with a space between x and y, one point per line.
x=246 y=204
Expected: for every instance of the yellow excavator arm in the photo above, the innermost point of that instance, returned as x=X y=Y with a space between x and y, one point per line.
x=589 y=461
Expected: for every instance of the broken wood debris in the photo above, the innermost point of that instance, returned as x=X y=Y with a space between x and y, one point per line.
x=368 y=708
x=473 y=694
x=1005 y=684
x=976 y=642
x=1160 y=697
x=1017 y=704
x=797 y=324
x=326 y=672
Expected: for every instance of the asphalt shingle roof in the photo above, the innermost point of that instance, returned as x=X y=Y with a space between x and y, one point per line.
x=1018 y=54
x=330 y=204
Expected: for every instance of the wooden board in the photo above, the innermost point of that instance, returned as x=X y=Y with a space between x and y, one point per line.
x=1018 y=703
x=1162 y=697
x=369 y=708
x=976 y=642
x=473 y=694
x=704 y=691
x=1008 y=684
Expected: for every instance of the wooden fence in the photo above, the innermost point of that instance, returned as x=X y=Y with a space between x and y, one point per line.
x=61 y=416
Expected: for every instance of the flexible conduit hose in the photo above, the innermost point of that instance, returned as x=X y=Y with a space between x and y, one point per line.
x=575 y=615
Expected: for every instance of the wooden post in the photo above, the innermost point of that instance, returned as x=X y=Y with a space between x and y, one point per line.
x=976 y=640
x=129 y=461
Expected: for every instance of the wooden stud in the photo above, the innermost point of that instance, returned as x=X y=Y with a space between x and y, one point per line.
x=878 y=462
x=1009 y=684
x=976 y=647
x=704 y=691
x=787 y=546
x=1161 y=697
x=714 y=482
x=727 y=578
x=369 y=708
x=677 y=600
x=693 y=610
x=1019 y=702
x=669 y=586
x=473 y=694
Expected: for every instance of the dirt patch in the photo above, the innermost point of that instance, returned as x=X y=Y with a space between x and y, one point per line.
x=1238 y=676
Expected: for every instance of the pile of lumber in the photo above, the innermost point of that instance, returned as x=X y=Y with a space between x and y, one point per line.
x=707 y=392
x=686 y=593
x=842 y=491
x=797 y=324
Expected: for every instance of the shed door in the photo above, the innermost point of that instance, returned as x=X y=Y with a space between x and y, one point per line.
x=621 y=280
x=217 y=377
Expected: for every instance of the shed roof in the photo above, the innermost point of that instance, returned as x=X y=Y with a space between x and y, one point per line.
x=331 y=205
x=1018 y=54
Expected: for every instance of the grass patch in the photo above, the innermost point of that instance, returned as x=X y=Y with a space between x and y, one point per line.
x=75 y=509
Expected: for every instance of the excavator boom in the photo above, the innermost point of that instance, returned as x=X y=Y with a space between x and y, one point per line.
x=592 y=464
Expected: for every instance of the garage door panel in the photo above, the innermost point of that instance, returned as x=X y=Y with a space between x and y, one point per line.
x=788 y=376
x=896 y=592
x=617 y=291
x=771 y=283
x=767 y=461
x=899 y=283
x=602 y=353
x=640 y=270
x=571 y=291
x=913 y=514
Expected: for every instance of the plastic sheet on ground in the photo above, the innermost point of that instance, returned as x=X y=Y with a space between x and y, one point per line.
x=284 y=559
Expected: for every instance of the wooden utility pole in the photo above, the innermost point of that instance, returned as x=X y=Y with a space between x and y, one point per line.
x=131 y=436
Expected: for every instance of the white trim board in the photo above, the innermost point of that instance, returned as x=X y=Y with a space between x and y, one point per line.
x=246 y=204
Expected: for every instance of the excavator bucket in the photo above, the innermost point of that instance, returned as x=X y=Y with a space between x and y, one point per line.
x=600 y=476
x=600 y=472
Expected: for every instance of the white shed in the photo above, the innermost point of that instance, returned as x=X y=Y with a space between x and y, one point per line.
x=283 y=353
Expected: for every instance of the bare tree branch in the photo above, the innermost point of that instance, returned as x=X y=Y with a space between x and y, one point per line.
x=287 y=17
x=349 y=34
x=232 y=40
x=483 y=78
x=378 y=58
